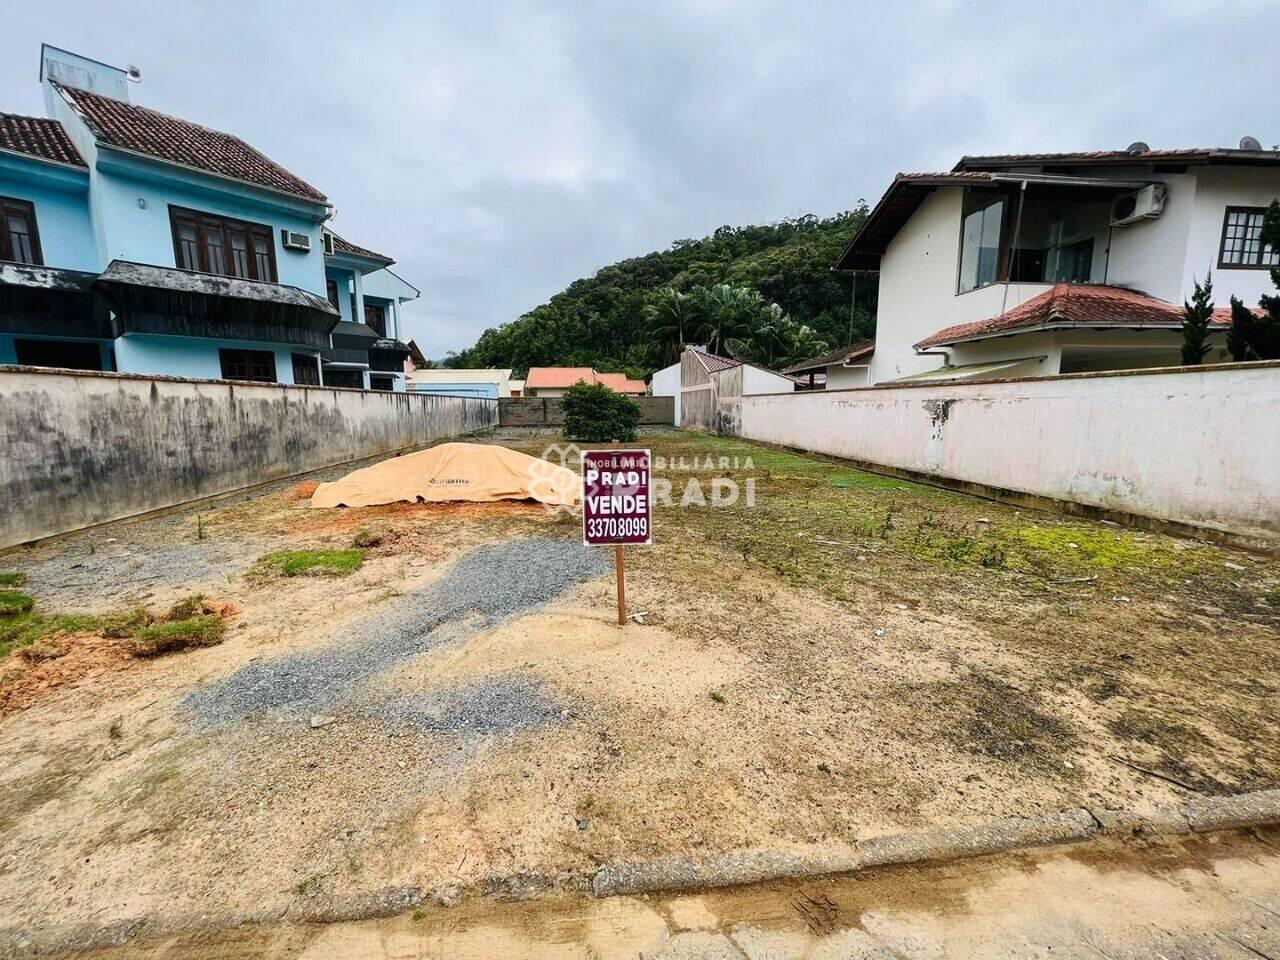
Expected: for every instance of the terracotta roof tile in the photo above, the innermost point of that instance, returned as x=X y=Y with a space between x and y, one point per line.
x=131 y=127
x=1074 y=304
x=550 y=378
x=341 y=245
x=715 y=363
x=621 y=383
x=856 y=351
x=46 y=139
x=1187 y=155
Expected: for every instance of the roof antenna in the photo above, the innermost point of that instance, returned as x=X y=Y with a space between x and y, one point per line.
x=134 y=74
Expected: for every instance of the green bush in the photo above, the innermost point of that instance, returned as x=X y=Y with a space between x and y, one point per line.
x=595 y=414
x=14 y=602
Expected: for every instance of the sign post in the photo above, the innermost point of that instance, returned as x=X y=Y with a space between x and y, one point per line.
x=617 y=506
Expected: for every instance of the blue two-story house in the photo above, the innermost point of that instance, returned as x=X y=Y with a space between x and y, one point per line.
x=138 y=242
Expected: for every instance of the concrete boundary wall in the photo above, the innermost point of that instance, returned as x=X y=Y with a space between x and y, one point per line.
x=549 y=411
x=1193 y=447
x=81 y=448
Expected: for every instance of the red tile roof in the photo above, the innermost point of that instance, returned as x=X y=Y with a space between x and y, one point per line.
x=548 y=378
x=46 y=139
x=715 y=363
x=346 y=246
x=1074 y=304
x=857 y=351
x=621 y=383
x=131 y=127
x=1186 y=155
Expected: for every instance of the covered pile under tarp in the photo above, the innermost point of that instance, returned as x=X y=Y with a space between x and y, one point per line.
x=477 y=472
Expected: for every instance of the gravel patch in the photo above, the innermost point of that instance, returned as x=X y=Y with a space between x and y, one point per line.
x=491 y=584
x=98 y=573
x=493 y=705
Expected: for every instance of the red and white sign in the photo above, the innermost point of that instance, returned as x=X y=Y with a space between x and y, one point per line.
x=617 y=501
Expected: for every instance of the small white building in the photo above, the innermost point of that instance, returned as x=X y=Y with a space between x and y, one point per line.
x=1040 y=264
x=700 y=380
x=840 y=369
x=488 y=384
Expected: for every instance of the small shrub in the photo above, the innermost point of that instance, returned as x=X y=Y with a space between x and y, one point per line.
x=122 y=623
x=595 y=414
x=185 y=609
x=160 y=638
x=369 y=537
x=292 y=563
x=13 y=602
x=719 y=697
x=12 y=579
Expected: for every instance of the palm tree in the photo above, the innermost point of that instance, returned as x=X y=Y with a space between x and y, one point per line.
x=728 y=313
x=671 y=316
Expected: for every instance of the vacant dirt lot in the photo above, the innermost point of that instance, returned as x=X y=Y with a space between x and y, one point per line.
x=851 y=655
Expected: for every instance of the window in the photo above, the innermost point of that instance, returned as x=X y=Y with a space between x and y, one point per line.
x=376 y=318
x=68 y=354
x=231 y=248
x=331 y=288
x=19 y=239
x=306 y=370
x=258 y=366
x=344 y=378
x=980 y=240
x=381 y=383
x=1242 y=246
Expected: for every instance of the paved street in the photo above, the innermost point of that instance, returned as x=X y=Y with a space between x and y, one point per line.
x=1197 y=898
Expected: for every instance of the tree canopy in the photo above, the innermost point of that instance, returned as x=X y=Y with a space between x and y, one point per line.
x=761 y=293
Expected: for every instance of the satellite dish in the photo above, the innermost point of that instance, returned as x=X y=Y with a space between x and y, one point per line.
x=1137 y=147
x=737 y=348
x=134 y=73
x=1250 y=143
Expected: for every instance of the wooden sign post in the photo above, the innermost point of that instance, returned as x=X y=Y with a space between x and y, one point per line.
x=617 y=506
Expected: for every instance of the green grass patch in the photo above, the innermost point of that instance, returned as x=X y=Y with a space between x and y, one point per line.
x=28 y=628
x=160 y=638
x=1096 y=548
x=14 y=602
x=12 y=579
x=293 y=563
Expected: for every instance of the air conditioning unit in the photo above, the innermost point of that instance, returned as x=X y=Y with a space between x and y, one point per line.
x=328 y=243
x=1139 y=205
x=293 y=240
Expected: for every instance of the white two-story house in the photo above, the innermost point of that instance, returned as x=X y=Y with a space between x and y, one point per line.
x=1039 y=264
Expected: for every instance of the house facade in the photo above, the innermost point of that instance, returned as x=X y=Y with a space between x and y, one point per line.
x=554 y=381
x=700 y=380
x=143 y=243
x=840 y=369
x=1040 y=264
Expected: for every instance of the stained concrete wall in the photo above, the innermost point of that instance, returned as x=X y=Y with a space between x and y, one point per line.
x=84 y=448
x=543 y=411
x=1192 y=446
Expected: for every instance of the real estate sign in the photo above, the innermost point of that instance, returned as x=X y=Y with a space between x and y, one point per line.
x=617 y=503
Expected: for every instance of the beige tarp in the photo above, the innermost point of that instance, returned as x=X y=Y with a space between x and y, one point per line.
x=479 y=472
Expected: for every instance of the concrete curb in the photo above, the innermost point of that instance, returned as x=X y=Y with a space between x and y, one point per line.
x=674 y=874
x=671 y=874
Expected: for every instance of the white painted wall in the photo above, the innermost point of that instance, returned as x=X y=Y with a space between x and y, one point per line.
x=840 y=377
x=1216 y=189
x=757 y=380
x=666 y=383
x=1198 y=446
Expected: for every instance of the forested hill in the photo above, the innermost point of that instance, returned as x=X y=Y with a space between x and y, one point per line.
x=764 y=293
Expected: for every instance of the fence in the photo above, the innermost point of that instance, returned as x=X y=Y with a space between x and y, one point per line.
x=549 y=411
x=85 y=448
x=1193 y=446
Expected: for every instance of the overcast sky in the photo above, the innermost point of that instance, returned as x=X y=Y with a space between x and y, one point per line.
x=500 y=151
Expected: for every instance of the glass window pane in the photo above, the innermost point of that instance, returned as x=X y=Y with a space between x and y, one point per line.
x=262 y=257
x=214 y=252
x=239 y=252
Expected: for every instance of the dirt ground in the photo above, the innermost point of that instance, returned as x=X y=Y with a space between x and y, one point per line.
x=850 y=655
